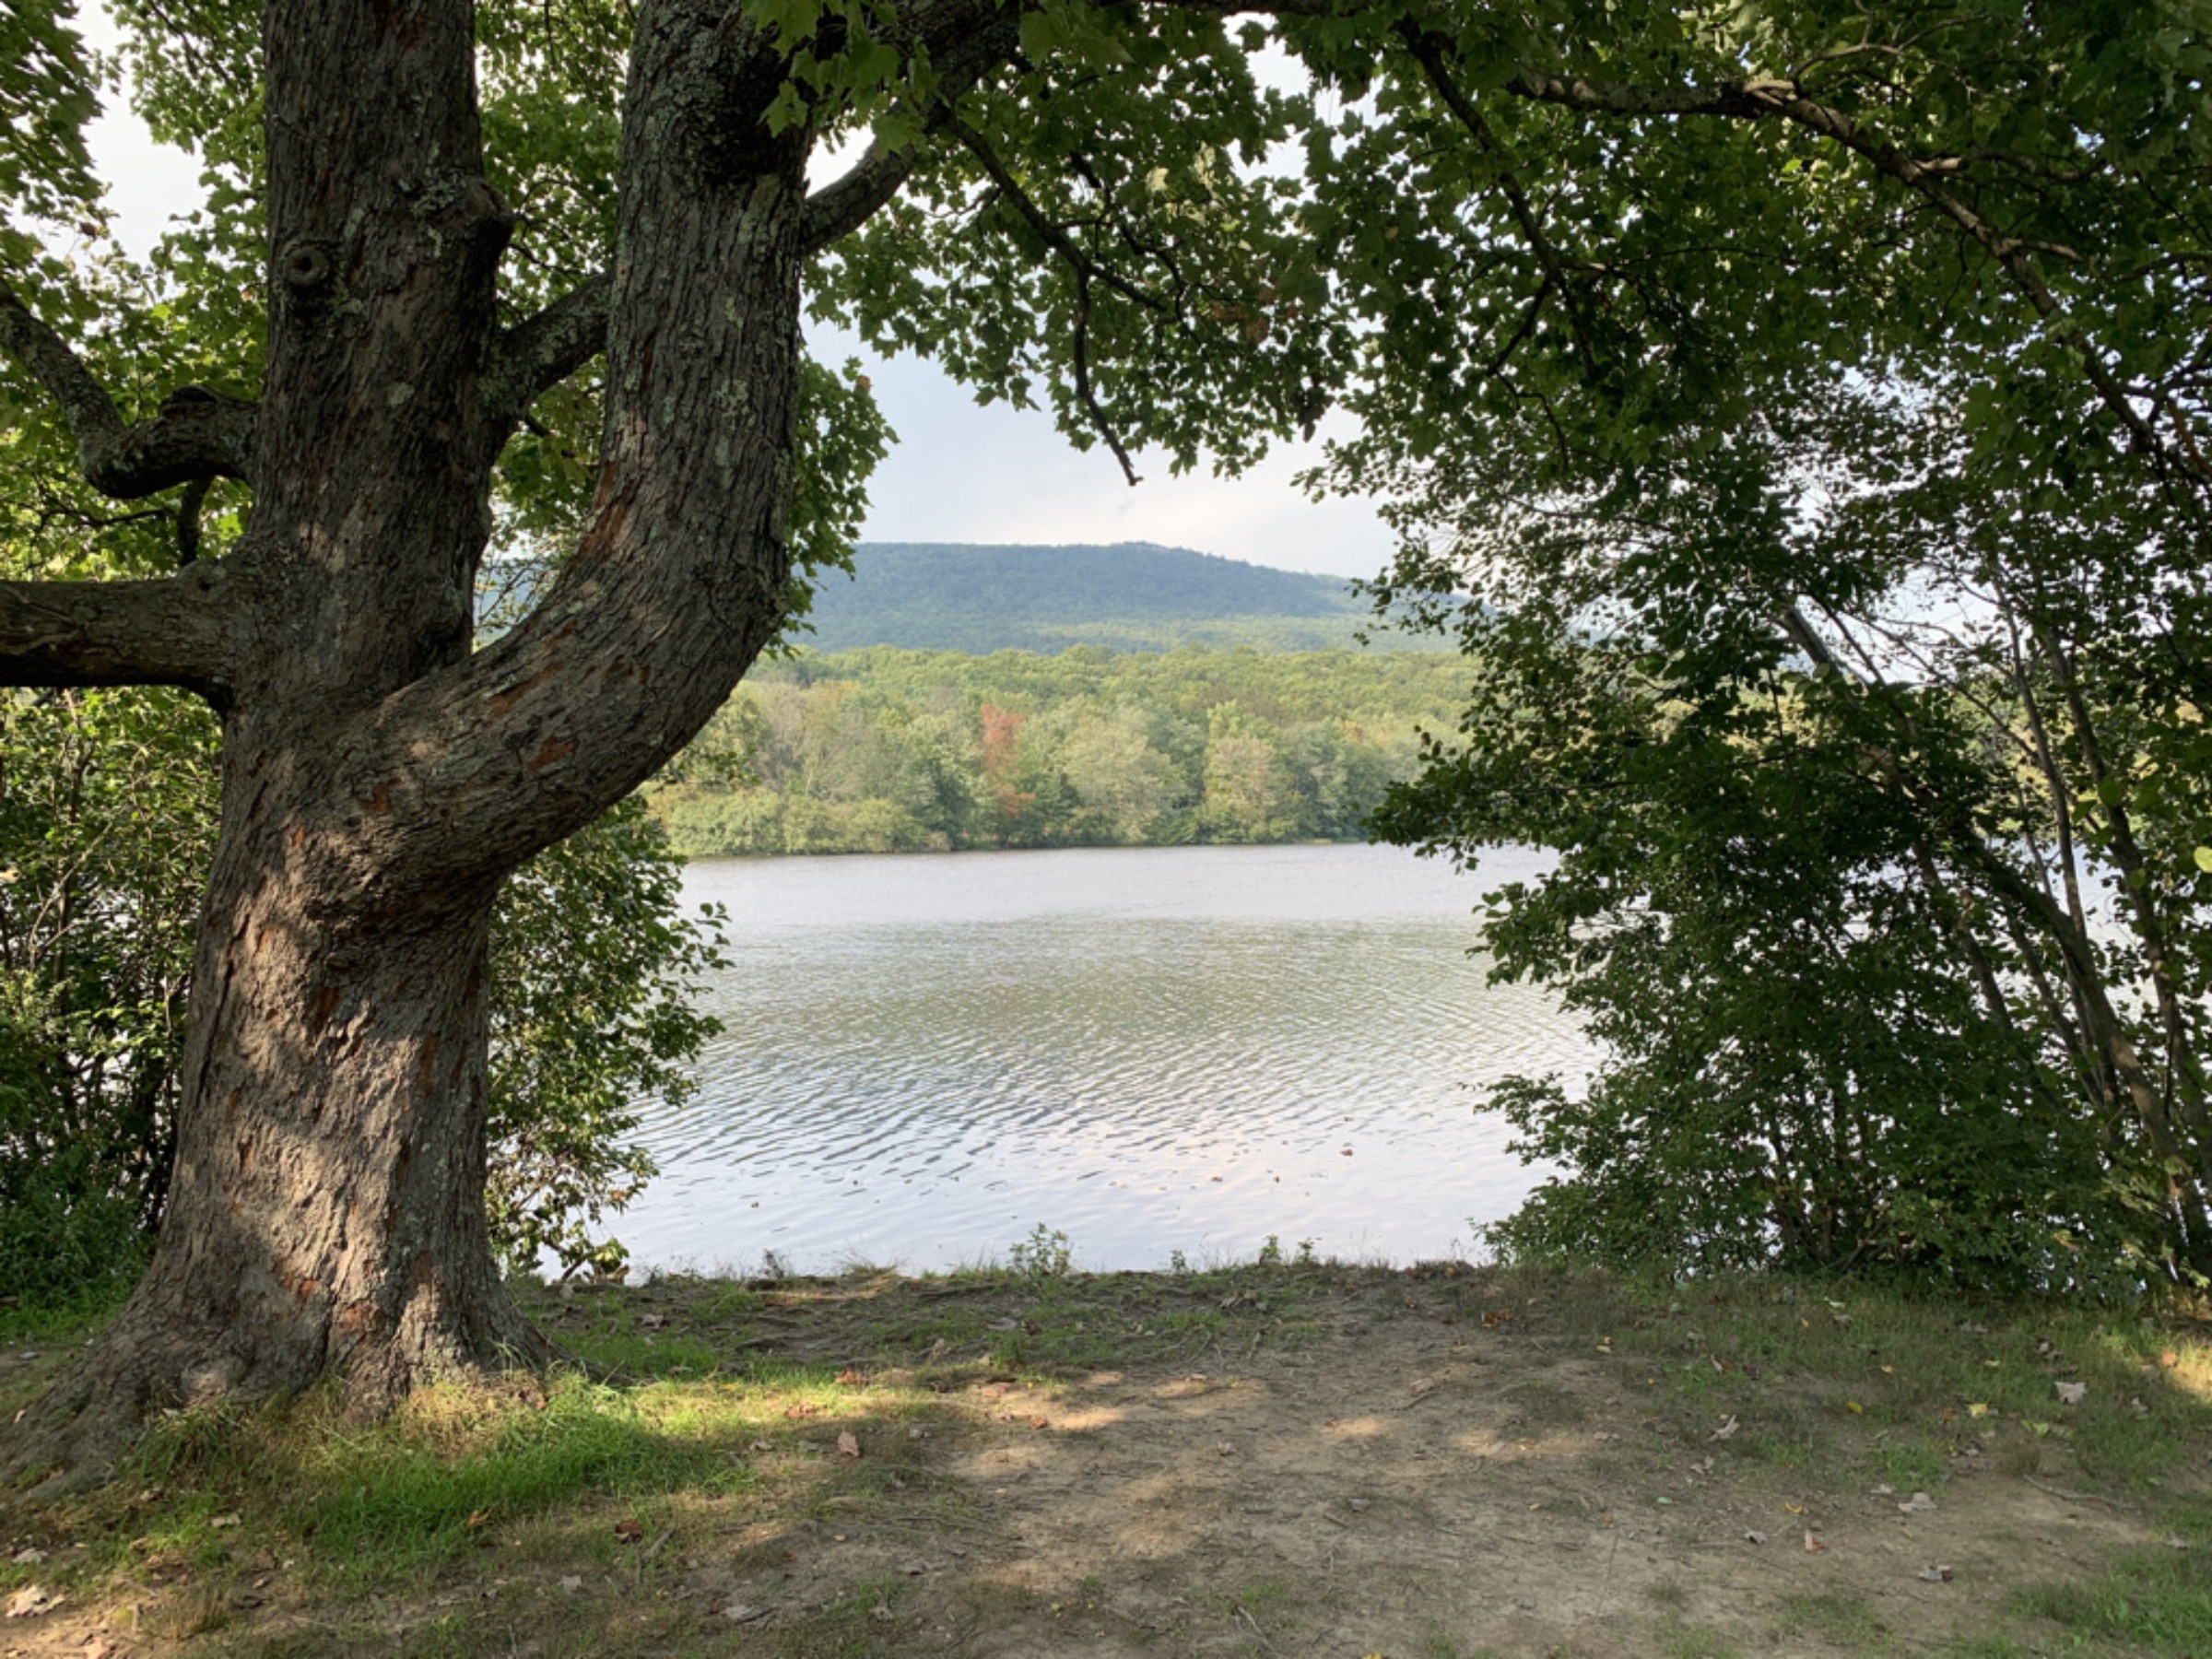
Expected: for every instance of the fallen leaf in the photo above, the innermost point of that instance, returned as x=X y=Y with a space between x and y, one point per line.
x=28 y=1557
x=738 y=1613
x=2072 y=1394
x=915 y=1569
x=848 y=1443
x=801 y=1410
x=1725 y=1430
x=232 y=1519
x=1937 y=1574
x=1223 y=1449
x=2170 y=1358
x=30 y=1601
x=1918 y=1504
x=1977 y=1408
x=1492 y=1319
x=1813 y=1546
x=1421 y=1388
x=651 y=1321
x=1605 y=1347
x=1885 y=1491
x=571 y=1581
x=1756 y=1537
x=629 y=1532
x=476 y=1519
x=1040 y=1422
x=852 y=1378
x=1361 y=1505
x=1854 y=1408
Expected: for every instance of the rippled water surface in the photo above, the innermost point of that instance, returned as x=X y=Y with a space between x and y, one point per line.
x=1150 y=1050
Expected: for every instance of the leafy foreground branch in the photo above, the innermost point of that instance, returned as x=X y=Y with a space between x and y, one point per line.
x=1341 y=1458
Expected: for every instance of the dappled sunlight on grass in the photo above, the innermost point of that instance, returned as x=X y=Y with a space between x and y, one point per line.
x=1304 y=1457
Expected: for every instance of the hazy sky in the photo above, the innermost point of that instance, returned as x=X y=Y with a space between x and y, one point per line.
x=960 y=473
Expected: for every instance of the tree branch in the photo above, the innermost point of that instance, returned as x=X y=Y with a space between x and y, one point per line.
x=1050 y=234
x=1433 y=52
x=967 y=40
x=1779 y=100
x=544 y=350
x=1090 y=402
x=177 y=631
x=844 y=205
x=197 y=434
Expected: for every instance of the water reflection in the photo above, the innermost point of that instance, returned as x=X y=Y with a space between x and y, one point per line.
x=1150 y=1049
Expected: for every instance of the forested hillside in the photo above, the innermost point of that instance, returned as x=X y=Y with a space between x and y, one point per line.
x=887 y=750
x=1132 y=597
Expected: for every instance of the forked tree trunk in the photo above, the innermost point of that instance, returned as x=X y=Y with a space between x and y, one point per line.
x=326 y=1214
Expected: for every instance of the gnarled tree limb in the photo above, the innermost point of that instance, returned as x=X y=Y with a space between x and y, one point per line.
x=178 y=630
x=198 y=434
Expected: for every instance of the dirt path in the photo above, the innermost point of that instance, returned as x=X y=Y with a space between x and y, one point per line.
x=1349 y=1463
x=1400 y=1486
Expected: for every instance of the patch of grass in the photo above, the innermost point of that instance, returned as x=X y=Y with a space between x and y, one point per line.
x=861 y=1625
x=1915 y=1467
x=1843 y=1617
x=394 y=1504
x=2160 y=1600
x=1694 y=1641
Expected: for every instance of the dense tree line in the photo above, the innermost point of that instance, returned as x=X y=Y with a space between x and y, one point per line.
x=883 y=750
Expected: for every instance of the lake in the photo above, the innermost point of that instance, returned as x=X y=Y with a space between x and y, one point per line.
x=1150 y=1050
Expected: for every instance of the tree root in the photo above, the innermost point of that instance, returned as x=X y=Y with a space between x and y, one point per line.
x=81 y=1432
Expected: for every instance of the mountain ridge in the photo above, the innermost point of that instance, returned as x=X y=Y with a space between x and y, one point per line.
x=980 y=597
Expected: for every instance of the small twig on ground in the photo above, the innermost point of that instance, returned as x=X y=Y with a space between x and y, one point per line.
x=646 y=1554
x=1245 y=1614
x=2072 y=1497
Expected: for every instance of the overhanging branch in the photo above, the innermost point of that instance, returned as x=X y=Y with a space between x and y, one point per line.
x=845 y=204
x=198 y=434
x=1768 y=98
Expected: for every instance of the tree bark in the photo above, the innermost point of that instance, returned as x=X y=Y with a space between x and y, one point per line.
x=380 y=780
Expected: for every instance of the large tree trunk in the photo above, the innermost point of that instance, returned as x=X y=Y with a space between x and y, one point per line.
x=326 y=1213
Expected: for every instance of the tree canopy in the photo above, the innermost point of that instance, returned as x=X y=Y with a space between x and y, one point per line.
x=1603 y=280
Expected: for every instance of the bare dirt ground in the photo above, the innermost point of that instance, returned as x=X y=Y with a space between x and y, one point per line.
x=1317 y=1460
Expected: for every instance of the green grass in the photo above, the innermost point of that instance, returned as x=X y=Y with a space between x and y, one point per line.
x=2160 y=1601
x=722 y=1437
